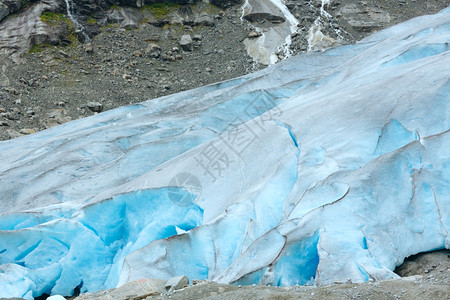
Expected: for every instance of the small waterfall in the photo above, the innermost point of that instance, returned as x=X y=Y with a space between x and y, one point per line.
x=323 y=12
x=74 y=20
x=315 y=35
x=273 y=40
x=244 y=7
x=293 y=25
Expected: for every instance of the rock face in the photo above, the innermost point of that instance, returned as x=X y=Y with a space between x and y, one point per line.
x=273 y=25
x=140 y=3
x=425 y=263
x=4 y=11
x=19 y=33
x=130 y=18
x=226 y=3
x=9 y=7
x=87 y=7
x=365 y=19
x=324 y=23
x=257 y=11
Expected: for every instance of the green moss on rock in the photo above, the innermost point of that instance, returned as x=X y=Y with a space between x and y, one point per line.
x=161 y=10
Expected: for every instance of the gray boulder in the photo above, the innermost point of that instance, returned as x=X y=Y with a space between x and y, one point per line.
x=177 y=283
x=186 y=13
x=365 y=19
x=260 y=10
x=95 y=106
x=114 y=16
x=57 y=33
x=131 y=18
x=197 y=37
x=186 y=42
x=153 y=50
x=204 y=19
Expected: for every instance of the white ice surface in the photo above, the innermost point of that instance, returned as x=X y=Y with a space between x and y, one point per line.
x=327 y=166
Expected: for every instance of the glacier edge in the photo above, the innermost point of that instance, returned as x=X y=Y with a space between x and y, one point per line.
x=325 y=167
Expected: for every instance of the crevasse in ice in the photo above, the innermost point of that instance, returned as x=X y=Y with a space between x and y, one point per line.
x=325 y=167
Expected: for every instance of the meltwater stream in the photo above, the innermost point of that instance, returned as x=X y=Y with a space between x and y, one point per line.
x=80 y=27
x=274 y=39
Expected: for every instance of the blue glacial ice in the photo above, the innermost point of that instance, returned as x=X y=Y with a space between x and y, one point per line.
x=326 y=167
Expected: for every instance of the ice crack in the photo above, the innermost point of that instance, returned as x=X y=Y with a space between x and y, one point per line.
x=440 y=218
x=291 y=134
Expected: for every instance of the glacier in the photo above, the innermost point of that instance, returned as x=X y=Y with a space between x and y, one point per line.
x=328 y=166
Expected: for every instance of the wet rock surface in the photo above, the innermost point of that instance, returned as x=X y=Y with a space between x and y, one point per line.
x=259 y=11
x=351 y=20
